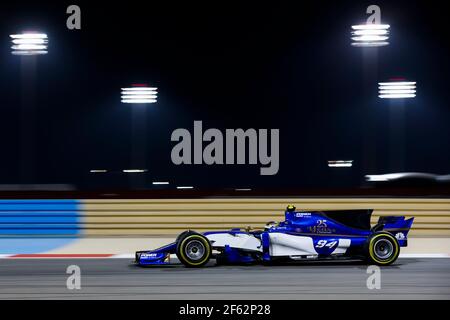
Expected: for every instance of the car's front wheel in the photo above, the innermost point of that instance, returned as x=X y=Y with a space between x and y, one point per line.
x=193 y=249
x=382 y=248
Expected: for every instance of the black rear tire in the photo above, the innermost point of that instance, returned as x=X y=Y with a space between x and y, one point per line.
x=382 y=249
x=193 y=249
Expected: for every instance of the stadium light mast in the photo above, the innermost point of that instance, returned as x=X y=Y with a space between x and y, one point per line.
x=368 y=37
x=28 y=45
x=397 y=91
x=138 y=96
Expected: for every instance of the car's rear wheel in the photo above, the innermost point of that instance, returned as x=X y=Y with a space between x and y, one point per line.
x=193 y=249
x=382 y=248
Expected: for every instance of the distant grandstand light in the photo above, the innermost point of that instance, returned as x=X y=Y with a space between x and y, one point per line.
x=383 y=177
x=160 y=182
x=397 y=89
x=398 y=176
x=243 y=189
x=139 y=93
x=340 y=163
x=29 y=43
x=185 y=187
x=376 y=178
x=370 y=35
x=98 y=171
x=134 y=170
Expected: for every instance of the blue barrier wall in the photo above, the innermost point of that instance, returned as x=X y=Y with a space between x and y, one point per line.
x=40 y=217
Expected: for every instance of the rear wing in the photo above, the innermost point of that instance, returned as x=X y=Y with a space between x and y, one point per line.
x=398 y=226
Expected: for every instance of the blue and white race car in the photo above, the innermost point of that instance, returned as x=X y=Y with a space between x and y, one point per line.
x=303 y=235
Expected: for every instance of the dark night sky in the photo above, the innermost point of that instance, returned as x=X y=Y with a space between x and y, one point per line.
x=259 y=65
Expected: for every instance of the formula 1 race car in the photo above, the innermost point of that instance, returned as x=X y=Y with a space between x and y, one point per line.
x=303 y=235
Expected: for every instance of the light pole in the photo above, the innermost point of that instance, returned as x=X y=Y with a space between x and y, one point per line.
x=397 y=90
x=369 y=37
x=138 y=95
x=28 y=45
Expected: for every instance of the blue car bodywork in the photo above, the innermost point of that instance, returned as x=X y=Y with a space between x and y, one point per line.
x=303 y=235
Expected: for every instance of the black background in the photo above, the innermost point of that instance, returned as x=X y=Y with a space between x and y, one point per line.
x=252 y=64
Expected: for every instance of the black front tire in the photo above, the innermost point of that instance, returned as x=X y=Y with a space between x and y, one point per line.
x=193 y=249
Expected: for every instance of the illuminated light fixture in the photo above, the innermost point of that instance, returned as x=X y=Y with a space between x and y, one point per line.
x=160 y=182
x=243 y=189
x=134 y=170
x=185 y=187
x=98 y=171
x=397 y=89
x=383 y=177
x=340 y=163
x=404 y=175
x=29 y=43
x=370 y=35
x=139 y=93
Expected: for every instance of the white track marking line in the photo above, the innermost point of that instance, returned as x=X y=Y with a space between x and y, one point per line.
x=173 y=257
x=424 y=255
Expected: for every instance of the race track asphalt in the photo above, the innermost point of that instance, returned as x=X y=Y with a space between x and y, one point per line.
x=120 y=279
